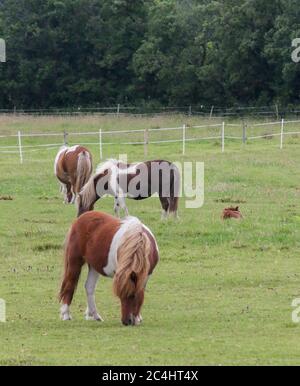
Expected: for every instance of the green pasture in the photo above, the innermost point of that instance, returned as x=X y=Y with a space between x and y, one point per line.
x=222 y=292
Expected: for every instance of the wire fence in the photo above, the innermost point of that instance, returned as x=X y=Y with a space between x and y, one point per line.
x=21 y=144
x=271 y=111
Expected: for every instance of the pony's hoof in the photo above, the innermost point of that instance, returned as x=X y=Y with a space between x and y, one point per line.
x=66 y=318
x=95 y=317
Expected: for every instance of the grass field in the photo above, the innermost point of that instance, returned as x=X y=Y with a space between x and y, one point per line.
x=222 y=292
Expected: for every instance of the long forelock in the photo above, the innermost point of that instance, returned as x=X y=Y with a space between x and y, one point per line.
x=133 y=256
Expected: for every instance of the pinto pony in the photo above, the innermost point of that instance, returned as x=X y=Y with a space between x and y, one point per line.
x=136 y=181
x=73 y=168
x=123 y=250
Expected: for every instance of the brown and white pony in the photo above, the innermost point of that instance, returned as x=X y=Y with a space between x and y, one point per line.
x=123 y=250
x=73 y=168
x=136 y=181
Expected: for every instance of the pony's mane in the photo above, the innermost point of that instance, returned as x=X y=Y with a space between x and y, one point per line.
x=112 y=164
x=106 y=165
x=88 y=193
x=132 y=260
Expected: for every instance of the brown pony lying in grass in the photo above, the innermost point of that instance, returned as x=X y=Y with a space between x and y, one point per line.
x=232 y=213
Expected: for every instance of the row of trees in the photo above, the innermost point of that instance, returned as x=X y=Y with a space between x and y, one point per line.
x=171 y=52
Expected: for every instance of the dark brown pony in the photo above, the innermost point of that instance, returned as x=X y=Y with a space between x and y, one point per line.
x=136 y=181
x=73 y=168
x=125 y=250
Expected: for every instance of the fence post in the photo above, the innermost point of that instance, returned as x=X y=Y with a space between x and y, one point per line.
x=100 y=145
x=183 y=139
x=282 y=134
x=190 y=111
x=20 y=147
x=244 y=133
x=118 y=110
x=277 y=111
x=223 y=137
x=211 y=112
x=146 y=142
x=66 y=138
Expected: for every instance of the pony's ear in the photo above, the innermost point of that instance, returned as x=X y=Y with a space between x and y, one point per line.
x=237 y=209
x=133 y=278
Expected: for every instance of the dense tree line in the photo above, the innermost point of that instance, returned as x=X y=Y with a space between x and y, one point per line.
x=171 y=52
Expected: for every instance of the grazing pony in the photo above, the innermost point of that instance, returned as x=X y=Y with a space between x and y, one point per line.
x=73 y=168
x=123 y=250
x=136 y=181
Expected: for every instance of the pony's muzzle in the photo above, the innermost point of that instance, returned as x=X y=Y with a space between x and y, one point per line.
x=130 y=321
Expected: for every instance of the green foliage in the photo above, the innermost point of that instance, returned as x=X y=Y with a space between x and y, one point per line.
x=70 y=52
x=92 y=52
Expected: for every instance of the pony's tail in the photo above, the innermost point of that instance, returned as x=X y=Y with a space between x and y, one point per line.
x=175 y=190
x=73 y=264
x=133 y=263
x=84 y=170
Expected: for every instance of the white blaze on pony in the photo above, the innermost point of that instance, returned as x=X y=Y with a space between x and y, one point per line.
x=73 y=168
x=125 y=250
x=136 y=181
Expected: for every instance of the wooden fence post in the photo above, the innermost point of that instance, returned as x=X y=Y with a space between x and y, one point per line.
x=223 y=137
x=244 y=133
x=183 y=139
x=146 y=142
x=211 y=112
x=20 y=147
x=100 y=145
x=277 y=111
x=282 y=134
x=66 y=138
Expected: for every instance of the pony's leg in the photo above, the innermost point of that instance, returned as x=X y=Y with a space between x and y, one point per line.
x=174 y=207
x=123 y=206
x=69 y=284
x=63 y=190
x=69 y=193
x=90 y=286
x=165 y=203
x=72 y=192
x=117 y=207
x=65 y=313
x=73 y=198
x=137 y=311
x=138 y=318
x=126 y=211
